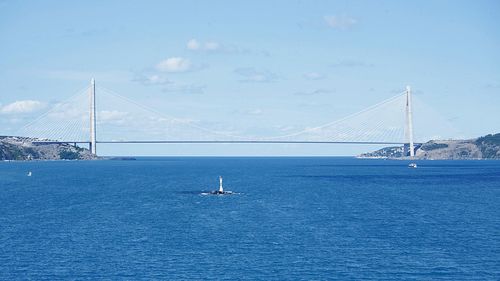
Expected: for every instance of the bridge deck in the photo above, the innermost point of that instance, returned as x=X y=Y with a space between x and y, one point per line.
x=222 y=142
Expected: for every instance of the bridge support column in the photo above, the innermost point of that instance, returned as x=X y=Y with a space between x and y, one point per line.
x=92 y=143
x=409 y=121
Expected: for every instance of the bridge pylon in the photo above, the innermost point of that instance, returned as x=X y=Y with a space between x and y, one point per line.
x=409 y=121
x=92 y=115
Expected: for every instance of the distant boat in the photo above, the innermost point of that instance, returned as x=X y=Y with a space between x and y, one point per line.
x=29 y=174
x=412 y=165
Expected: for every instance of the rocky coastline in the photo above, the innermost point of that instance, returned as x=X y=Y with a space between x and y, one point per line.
x=486 y=147
x=22 y=149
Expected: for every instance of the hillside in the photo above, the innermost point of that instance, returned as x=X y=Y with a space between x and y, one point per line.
x=487 y=147
x=19 y=148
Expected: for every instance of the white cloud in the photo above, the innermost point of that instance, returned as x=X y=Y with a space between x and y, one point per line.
x=111 y=115
x=168 y=85
x=251 y=74
x=216 y=47
x=65 y=111
x=285 y=128
x=174 y=64
x=340 y=22
x=153 y=79
x=156 y=79
x=313 y=76
x=314 y=92
x=193 y=44
x=212 y=46
x=209 y=46
x=24 y=106
x=351 y=63
x=184 y=88
x=256 y=111
x=115 y=117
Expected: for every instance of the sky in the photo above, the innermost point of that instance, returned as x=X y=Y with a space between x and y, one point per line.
x=255 y=67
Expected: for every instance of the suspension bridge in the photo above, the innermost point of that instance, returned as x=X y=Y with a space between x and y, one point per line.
x=101 y=116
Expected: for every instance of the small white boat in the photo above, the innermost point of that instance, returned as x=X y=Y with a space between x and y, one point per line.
x=29 y=174
x=412 y=165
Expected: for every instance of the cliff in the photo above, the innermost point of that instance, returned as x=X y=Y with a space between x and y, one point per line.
x=20 y=148
x=487 y=147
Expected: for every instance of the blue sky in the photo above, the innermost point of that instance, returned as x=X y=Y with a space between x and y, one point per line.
x=254 y=65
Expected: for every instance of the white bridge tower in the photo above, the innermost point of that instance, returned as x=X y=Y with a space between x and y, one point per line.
x=92 y=143
x=409 y=121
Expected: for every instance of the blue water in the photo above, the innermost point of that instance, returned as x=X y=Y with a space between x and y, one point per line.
x=294 y=219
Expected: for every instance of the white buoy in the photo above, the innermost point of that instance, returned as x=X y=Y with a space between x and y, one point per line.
x=29 y=174
x=221 y=190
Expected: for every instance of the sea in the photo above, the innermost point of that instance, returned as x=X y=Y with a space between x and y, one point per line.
x=290 y=218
